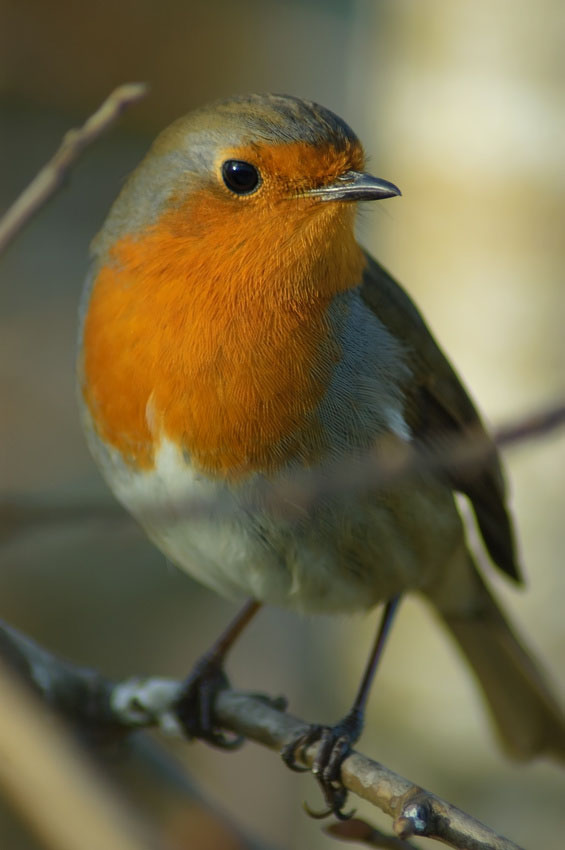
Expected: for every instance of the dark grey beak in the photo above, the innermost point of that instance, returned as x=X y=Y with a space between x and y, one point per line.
x=356 y=186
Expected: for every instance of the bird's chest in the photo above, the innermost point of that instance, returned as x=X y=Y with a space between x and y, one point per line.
x=187 y=416
x=236 y=389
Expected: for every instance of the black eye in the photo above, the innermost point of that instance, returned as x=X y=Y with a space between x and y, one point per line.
x=240 y=177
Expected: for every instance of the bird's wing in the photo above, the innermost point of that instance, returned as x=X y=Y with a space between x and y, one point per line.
x=439 y=410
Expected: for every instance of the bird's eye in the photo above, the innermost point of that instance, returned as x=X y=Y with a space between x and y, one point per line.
x=240 y=177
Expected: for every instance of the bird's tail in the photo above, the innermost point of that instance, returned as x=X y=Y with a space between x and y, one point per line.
x=528 y=717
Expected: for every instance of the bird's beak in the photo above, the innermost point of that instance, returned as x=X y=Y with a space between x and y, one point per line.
x=356 y=186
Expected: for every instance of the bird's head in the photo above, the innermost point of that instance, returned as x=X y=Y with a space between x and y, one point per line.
x=251 y=173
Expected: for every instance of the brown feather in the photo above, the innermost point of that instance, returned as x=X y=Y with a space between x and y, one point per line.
x=439 y=411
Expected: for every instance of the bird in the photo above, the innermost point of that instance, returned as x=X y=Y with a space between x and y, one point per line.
x=235 y=335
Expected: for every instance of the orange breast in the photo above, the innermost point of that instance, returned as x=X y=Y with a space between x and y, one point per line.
x=212 y=330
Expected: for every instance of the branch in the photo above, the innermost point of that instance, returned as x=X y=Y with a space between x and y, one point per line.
x=105 y=707
x=52 y=175
x=389 y=465
x=57 y=791
x=298 y=492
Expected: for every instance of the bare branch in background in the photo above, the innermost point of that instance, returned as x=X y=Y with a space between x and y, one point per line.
x=52 y=175
x=299 y=491
x=388 y=466
x=19 y=514
x=98 y=705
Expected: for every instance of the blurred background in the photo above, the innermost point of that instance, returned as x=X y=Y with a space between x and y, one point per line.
x=461 y=105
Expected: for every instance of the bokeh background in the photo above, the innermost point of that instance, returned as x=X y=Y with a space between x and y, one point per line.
x=461 y=104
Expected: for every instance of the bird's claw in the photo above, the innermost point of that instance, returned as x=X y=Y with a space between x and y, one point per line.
x=335 y=743
x=298 y=746
x=194 y=706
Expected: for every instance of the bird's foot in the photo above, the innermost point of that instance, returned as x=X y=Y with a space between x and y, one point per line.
x=335 y=743
x=195 y=704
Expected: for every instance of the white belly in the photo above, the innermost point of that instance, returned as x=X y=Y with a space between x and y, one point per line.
x=346 y=555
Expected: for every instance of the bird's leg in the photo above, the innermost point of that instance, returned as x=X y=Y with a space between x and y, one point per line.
x=335 y=742
x=195 y=704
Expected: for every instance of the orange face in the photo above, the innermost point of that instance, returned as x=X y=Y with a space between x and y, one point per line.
x=210 y=327
x=296 y=167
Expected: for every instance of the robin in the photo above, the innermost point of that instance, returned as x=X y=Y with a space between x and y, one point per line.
x=234 y=333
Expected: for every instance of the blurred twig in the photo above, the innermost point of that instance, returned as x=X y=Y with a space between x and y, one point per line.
x=52 y=175
x=387 y=466
x=48 y=778
x=300 y=490
x=535 y=425
x=58 y=793
x=18 y=514
x=139 y=703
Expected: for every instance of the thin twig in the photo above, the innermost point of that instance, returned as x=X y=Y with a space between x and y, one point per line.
x=300 y=490
x=20 y=513
x=141 y=703
x=415 y=811
x=52 y=175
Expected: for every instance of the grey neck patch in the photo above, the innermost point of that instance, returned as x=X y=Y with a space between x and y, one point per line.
x=364 y=398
